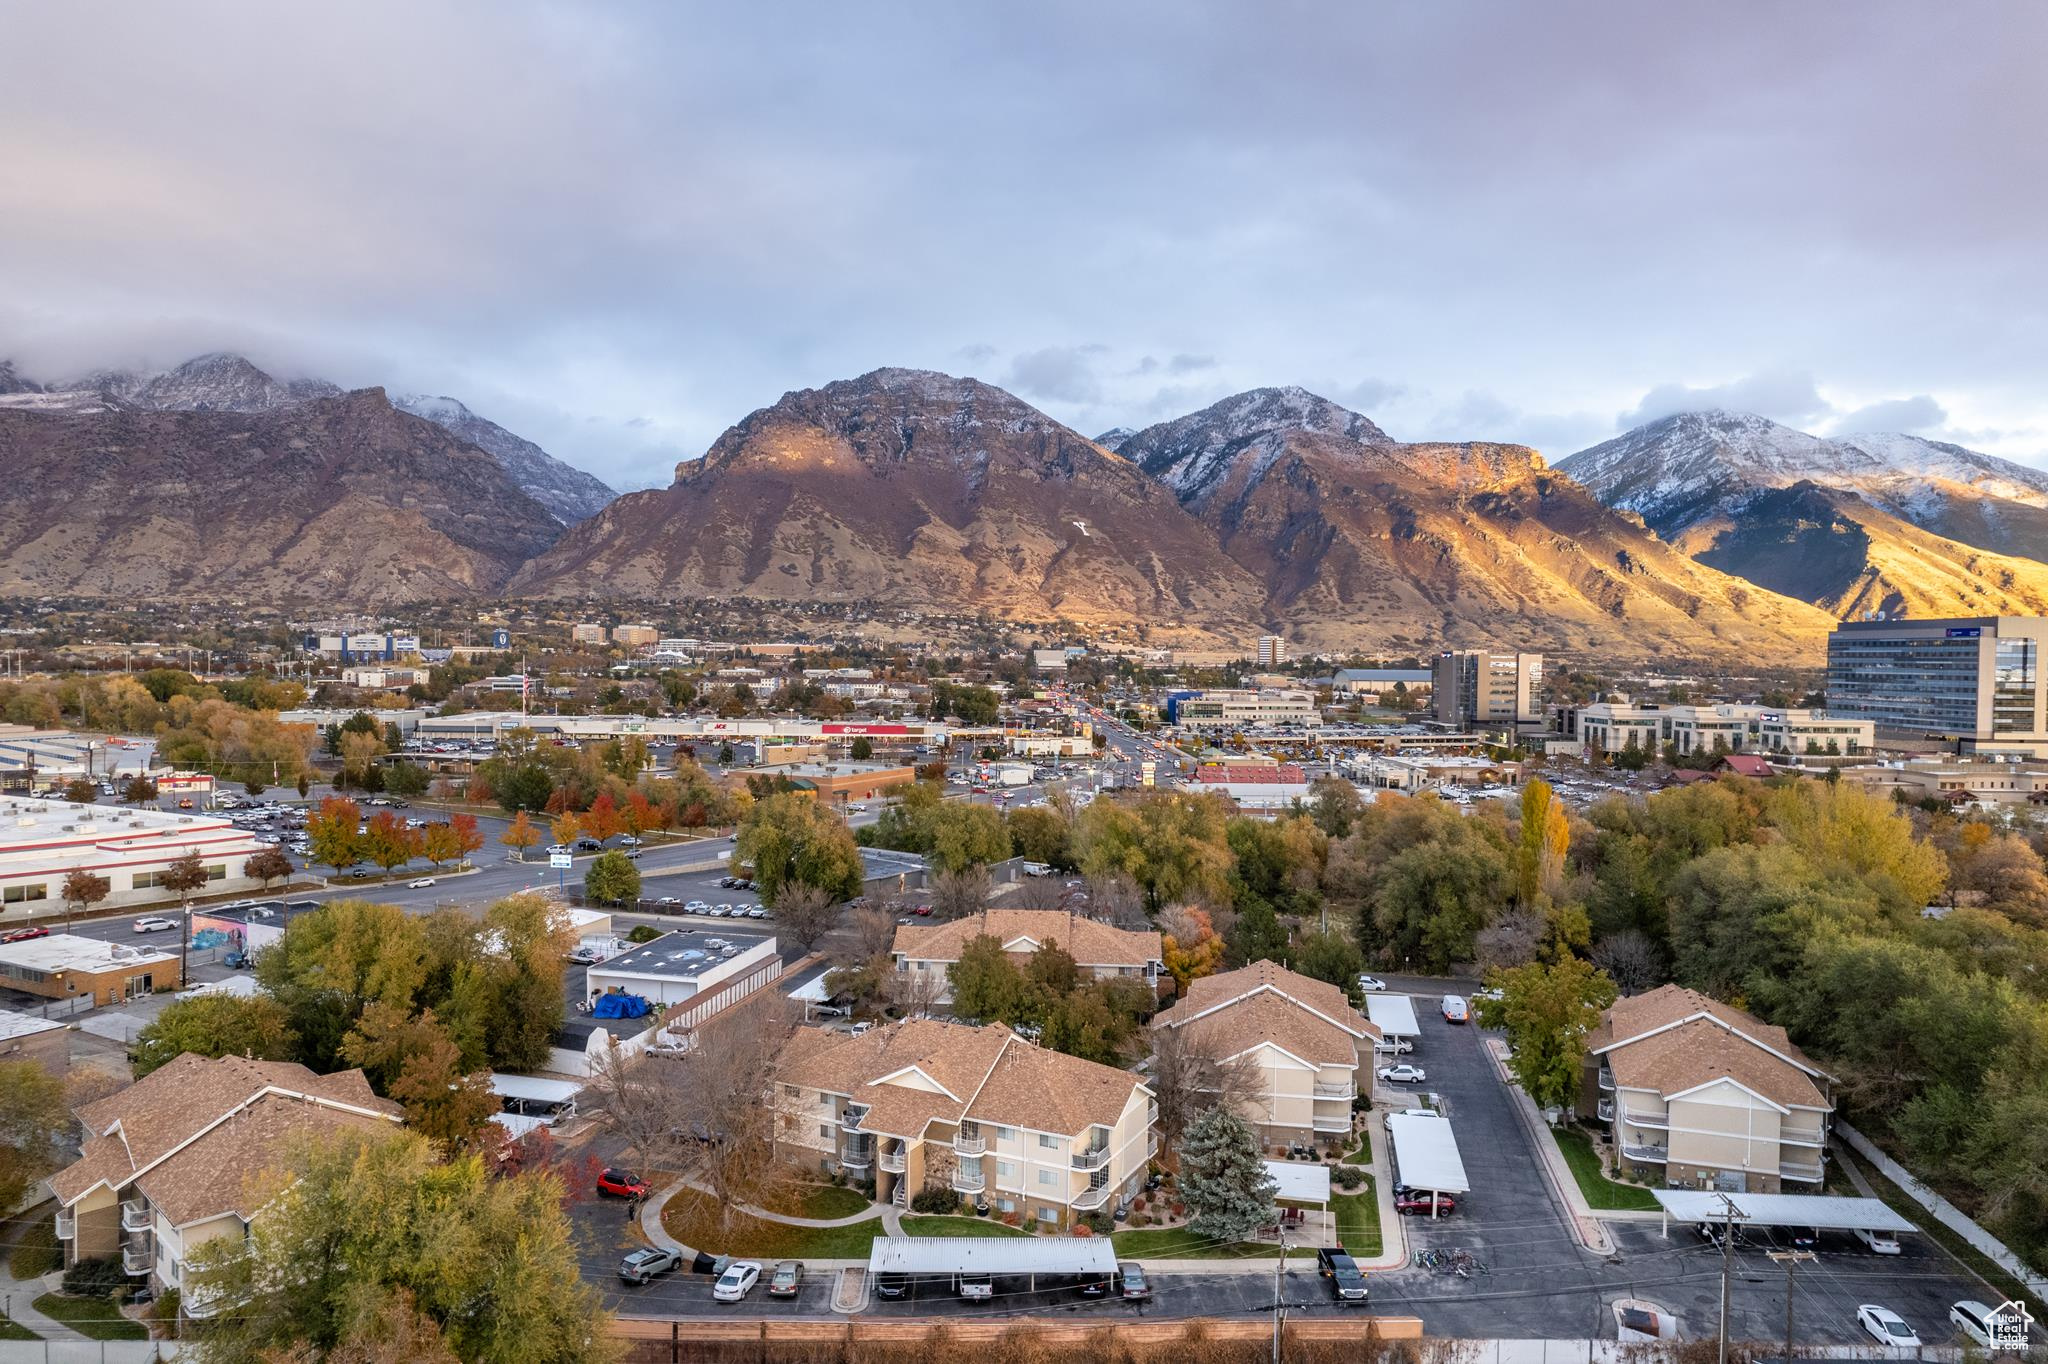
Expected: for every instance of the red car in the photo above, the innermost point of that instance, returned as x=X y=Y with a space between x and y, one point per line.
x=24 y=934
x=621 y=1184
x=1416 y=1203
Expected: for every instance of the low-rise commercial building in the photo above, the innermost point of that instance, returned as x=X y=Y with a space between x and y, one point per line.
x=1232 y=709
x=1101 y=950
x=44 y=841
x=979 y=1111
x=1698 y=1094
x=840 y=782
x=174 y=1161
x=681 y=966
x=66 y=966
x=1610 y=727
x=1298 y=1041
x=29 y=1037
x=1955 y=782
x=1254 y=786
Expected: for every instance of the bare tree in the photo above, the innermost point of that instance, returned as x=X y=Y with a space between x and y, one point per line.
x=1510 y=941
x=1630 y=959
x=805 y=914
x=874 y=934
x=957 y=894
x=1035 y=892
x=1118 y=899
x=1190 y=1077
x=916 y=993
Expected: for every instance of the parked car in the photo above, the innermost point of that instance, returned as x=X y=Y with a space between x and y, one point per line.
x=892 y=1284
x=1455 y=1010
x=1403 y=1074
x=623 y=1184
x=238 y=961
x=422 y=883
x=737 y=1281
x=584 y=955
x=1887 y=1327
x=1371 y=983
x=1416 y=1203
x=1342 y=1272
x=25 y=934
x=643 y=1265
x=756 y=912
x=787 y=1280
x=1880 y=1242
x=1136 y=1286
x=976 y=1287
x=1976 y=1321
x=150 y=923
x=697 y=907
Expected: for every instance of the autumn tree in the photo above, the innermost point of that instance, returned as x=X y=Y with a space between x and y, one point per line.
x=35 y=1123
x=1190 y=1076
x=601 y=821
x=789 y=840
x=81 y=791
x=255 y=1026
x=411 y=1059
x=438 y=844
x=1189 y=944
x=520 y=835
x=1547 y=1009
x=567 y=827
x=185 y=874
x=1545 y=837
x=86 y=889
x=331 y=833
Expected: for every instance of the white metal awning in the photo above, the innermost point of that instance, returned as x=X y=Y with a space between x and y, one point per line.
x=992 y=1255
x=1823 y=1212
x=1426 y=1154
x=518 y=1124
x=1299 y=1181
x=1393 y=1015
x=533 y=1088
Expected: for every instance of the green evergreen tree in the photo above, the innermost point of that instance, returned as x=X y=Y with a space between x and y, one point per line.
x=1223 y=1180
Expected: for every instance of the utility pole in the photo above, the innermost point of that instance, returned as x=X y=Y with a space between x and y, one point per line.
x=1279 y=1312
x=1729 y=1212
x=1790 y=1259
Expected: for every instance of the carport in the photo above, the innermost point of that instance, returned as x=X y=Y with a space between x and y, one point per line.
x=1085 y=1256
x=1394 y=1016
x=1426 y=1155
x=1821 y=1212
x=1305 y=1184
x=530 y=1096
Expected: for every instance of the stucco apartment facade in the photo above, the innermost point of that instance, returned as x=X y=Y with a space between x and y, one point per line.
x=1099 y=949
x=1299 y=1040
x=978 y=1110
x=1698 y=1094
x=176 y=1159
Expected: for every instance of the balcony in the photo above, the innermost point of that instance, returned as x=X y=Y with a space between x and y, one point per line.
x=967 y=1143
x=1341 y=1123
x=1092 y=1197
x=1151 y=1115
x=1604 y=1110
x=850 y=1117
x=1800 y=1172
x=135 y=1215
x=1655 y=1155
x=894 y=1160
x=67 y=1226
x=1636 y=1117
x=1344 y=1092
x=858 y=1155
x=1091 y=1158
x=138 y=1259
x=970 y=1178
x=1803 y=1136
x=1606 y=1080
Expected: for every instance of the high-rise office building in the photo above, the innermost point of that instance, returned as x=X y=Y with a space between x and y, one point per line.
x=1969 y=684
x=1273 y=651
x=1481 y=689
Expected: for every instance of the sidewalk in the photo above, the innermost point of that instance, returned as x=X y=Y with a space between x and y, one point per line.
x=19 y=1294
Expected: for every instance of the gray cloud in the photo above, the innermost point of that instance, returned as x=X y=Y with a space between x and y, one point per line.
x=1918 y=413
x=561 y=212
x=1367 y=394
x=1791 y=398
x=1189 y=364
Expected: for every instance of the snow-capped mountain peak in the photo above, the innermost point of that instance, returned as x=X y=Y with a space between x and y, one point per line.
x=1195 y=454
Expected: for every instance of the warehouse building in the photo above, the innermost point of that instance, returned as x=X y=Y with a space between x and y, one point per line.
x=66 y=966
x=44 y=841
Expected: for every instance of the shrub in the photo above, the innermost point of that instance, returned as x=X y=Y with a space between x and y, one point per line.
x=1348 y=1176
x=1099 y=1222
x=1138 y=1203
x=95 y=1278
x=934 y=1201
x=644 y=933
x=1139 y=1219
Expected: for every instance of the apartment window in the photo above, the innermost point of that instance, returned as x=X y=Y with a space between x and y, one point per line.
x=1006 y=1169
x=1006 y=1204
x=20 y=894
x=1005 y=1133
x=1047 y=1179
x=1048 y=1143
x=1048 y=1214
x=791 y=1092
x=825 y=1131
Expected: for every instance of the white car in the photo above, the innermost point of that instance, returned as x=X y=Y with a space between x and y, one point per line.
x=152 y=924
x=1886 y=1327
x=421 y=884
x=1371 y=983
x=1879 y=1242
x=1402 y=1074
x=697 y=907
x=737 y=1281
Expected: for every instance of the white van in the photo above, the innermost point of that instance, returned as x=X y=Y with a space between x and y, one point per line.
x=1454 y=1009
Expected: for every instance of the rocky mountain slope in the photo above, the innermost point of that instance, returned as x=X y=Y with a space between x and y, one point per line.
x=225 y=382
x=1364 y=542
x=338 y=499
x=1939 y=525
x=910 y=488
x=568 y=492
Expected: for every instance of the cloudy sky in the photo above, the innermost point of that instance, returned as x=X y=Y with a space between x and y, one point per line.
x=618 y=228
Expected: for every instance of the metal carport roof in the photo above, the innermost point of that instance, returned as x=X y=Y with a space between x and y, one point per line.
x=1426 y=1154
x=1822 y=1211
x=992 y=1255
x=1299 y=1182
x=1393 y=1015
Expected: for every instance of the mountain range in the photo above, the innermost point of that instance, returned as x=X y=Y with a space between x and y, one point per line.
x=1854 y=524
x=1710 y=536
x=224 y=382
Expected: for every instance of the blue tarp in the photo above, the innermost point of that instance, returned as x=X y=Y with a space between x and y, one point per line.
x=619 y=1006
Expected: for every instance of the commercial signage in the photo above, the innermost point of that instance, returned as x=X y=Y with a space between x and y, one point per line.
x=562 y=861
x=1965 y=631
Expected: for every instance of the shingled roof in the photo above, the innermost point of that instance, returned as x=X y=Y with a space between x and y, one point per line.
x=1089 y=942
x=1267 y=1003
x=1672 y=1039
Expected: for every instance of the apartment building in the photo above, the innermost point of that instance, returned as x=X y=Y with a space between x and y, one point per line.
x=1966 y=684
x=1698 y=1094
x=978 y=1110
x=176 y=1159
x=1481 y=689
x=1610 y=726
x=1298 y=1040
x=1099 y=949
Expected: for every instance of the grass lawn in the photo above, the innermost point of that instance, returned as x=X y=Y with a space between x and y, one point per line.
x=1602 y=1194
x=1362 y=1154
x=94 y=1318
x=37 y=1252
x=830 y=1200
x=959 y=1226
x=1178 y=1243
x=691 y=1219
x=1358 y=1220
x=14 y=1330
